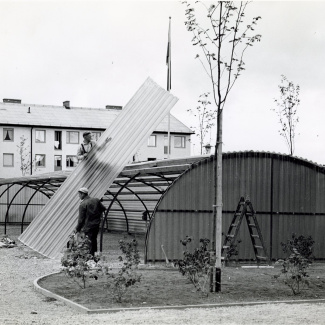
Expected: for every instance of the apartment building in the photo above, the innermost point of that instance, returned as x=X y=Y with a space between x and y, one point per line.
x=39 y=139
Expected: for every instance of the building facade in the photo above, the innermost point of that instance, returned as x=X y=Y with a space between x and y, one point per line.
x=38 y=139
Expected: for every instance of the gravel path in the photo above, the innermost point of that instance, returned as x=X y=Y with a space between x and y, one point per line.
x=21 y=304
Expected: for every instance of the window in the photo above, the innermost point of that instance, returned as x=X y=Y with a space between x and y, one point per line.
x=152 y=141
x=57 y=140
x=179 y=141
x=39 y=135
x=72 y=137
x=57 y=163
x=8 y=160
x=8 y=134
x=40 y=160
x=72 y=161
x=96 y=135
x=166 y=145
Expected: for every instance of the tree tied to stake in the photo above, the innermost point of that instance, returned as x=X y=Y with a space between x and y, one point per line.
x=223 y=37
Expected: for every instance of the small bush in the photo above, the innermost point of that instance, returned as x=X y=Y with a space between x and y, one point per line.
x=301 y=245
x=78 y=264
x=196 y=265
x=295 y=265
x=127 y=275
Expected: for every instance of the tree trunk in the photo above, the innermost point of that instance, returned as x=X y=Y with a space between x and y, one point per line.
x=218 y=200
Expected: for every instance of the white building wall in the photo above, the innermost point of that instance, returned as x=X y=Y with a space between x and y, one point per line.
x=10 y=147
x=146 y=152
x=47 y=148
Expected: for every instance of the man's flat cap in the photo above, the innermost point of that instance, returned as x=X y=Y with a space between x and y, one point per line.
x=83 y=190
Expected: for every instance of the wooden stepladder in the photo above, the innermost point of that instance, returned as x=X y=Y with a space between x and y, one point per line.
x=245 y=208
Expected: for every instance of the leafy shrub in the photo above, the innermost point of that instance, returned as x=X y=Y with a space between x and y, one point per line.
x=302 y=245
x=196 y=265
x=295 y=265
x=127 y=275
x=78 y=264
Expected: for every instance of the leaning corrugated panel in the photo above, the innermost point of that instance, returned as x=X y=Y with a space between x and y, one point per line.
x=49 y=231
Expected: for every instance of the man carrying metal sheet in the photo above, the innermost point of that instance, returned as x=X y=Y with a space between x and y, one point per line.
x=90 y=212
x=86 y=146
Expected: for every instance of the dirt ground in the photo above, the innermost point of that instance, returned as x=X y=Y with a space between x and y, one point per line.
x=161 y=287
x=21 y=304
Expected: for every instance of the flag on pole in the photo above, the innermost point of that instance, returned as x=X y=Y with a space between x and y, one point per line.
x=169 y=60
x=169 y=82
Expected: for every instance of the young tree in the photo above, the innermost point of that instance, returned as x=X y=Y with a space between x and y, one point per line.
x=24 y=154
x=206 y=118
x=223 y=37
x=287 y=104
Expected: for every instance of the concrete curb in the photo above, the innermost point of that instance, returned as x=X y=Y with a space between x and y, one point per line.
x=85 y=310
x=50 y=294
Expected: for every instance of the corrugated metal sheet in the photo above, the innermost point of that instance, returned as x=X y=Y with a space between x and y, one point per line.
x=286 y=192
x=49 y=231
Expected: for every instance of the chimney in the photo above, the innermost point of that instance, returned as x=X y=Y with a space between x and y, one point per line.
x=10 y=100
x=28 y=111
x=113 y=107
x=66 y=104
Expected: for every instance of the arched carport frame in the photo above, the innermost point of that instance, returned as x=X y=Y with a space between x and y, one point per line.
x=157 y=175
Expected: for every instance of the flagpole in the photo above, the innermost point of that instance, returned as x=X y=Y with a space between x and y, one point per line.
x=168 y=62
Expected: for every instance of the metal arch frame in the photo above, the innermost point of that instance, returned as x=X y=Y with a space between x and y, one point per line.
x=44 y=183
x=134 y=193
x=138 y=197
x=49 y=183
x=26 y=185
x=23 y=185
x=7 y=213
x=48 y=189
x=148 y=184
x=107 y=211
x=7 y=189
x=124 y=186
x=168 y=180
x=193 y=165
x=120 y=204
x=27 y=204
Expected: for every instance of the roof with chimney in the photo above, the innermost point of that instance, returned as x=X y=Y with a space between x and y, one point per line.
x=15 y=113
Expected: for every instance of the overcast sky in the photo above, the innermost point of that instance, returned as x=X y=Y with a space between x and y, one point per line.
x=98 y=53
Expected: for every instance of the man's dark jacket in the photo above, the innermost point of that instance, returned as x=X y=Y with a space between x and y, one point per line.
x=90 y=211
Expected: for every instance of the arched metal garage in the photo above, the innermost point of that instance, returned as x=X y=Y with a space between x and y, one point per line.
x=286 y=192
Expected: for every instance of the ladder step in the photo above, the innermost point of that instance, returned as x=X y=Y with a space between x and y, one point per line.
x=234 y=225
x=252 y=225
x=261 y=258
x=258 y=247
x=225 y=247
x=255 y=236
x=231 y=236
